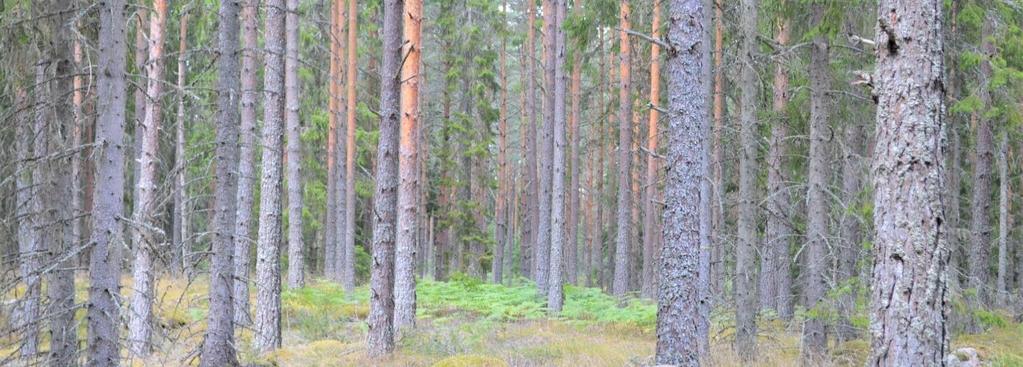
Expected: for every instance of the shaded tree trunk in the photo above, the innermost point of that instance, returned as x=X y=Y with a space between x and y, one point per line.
x=717 y=267
x=909 y=295
x=503 y=189
x=532 y=190
x=775 y=293
x=28 y=238
x=679 y=301
x=851 y=229
x=621 y=276
x=555 y=295
x=1003 y=219
x=575 y=134
x=351 y=76
x=330 y=236
x=104 y=269
x=246 y=162
x=380 y=340
x=983 y=161
x=408 y=175
x=179 y=221
x=541 y=258
x=745 y=255
x=650 y=193
x=296 y=260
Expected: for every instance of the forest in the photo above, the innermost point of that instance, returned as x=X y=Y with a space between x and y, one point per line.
x=511 y=183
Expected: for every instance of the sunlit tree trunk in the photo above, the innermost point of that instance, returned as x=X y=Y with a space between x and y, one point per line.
x=351 y=76
x=408 y=175
x=909 y=295
x=649 y=282
x=621 y=275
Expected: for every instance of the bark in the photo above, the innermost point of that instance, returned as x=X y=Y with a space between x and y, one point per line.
x=218 y=346
x=621 y=276
x=296 y=260
x=745 y=255
x=679 y=302
x=909 y=296
x=330 y=236
x=380 y=340
x=983 y=162
x=29 y=243
x=246 y=162
x=851 y=229
x=179 y=222
x=141 y=317
x=501 y=215
x=1003 y=219
x=650 y=192
x=775 y=264
x=408 y=175
x=814 y=337
x=717 y=269
x=351 y=76
x=141 y=58
x=555 y=295
x=575 y=134
x=541 y=257
x=531 y=217
x=107 y=207
x=268 y=276
x=598 y=224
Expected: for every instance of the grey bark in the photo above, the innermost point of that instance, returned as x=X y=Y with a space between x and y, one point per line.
x=218 y=347
x=1003 y=219
x=296 y=260
x=814 y=339
x=851 y=232
x=541 y=248
x=179 y=222
x=531 y=212
x=246 y=161
x=909 y=296
x=268 y=247
x=555 y=295
x=775 y=293
x=380 y=339
x=141 y=316
x=679 y=315
x=104 y=270
x=983 y=162
x=621 y=267
x=745 y=255
x=408 y=172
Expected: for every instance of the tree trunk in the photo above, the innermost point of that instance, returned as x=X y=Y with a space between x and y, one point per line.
x=296 y=261
x=180 y=217
x=575 y=134
x=851 y=229
x=246 y=162
x=542 y=246
x=598 y=224
x=621 y=276
x=1003 y=220
x=503 y=190
x=983 y=160
x=330 y=236
x=717 y=267
x=351 y=76
x=745 y=256
x=408 y=186
x=104 y=270
x=678 y=314
x=28 y=238
x=814 y=337
x=268 y=251
x=141 y=317
x=381 y=313
x=531 y=217
x=909 y=296
x=775 y=264
x=651 y=161
x=555 y=295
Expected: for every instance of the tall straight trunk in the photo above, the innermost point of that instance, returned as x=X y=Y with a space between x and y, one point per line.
x=531 y=215
x=598 y=224
x=246 y=161
x=909 y=295
x=1003 y=219
x=555 y=296
x=179 y=222
x=107 y=207
x=141 y=317
x=678 y=314
x=983 y=162
x=296 y=261
x=745 y=255
x=717 y=267
x=814 y=337
x=575 y=134
x=28 y=240
x=268 y=247
x=621 y=275
x=541 y=258
x=650 y=192
x=141 y=57
x=351 y=77
x=774 y=263
x=380 y=340
x=851 y=229
x=218 y=347
x=503 y=189
x=331 y=241
x=408 y=174
x=704 y=290
x=589 y=218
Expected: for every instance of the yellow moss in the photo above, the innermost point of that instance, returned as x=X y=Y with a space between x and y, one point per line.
x=470 y=360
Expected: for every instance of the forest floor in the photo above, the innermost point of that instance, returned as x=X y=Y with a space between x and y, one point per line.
x=465 y=322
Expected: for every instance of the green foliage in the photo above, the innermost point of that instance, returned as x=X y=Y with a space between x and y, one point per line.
x=990 y=319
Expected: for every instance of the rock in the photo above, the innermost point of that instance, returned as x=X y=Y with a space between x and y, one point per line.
x=963 y=357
